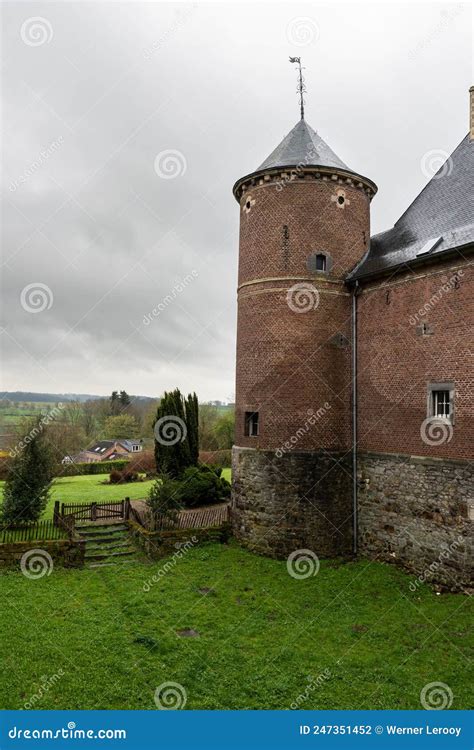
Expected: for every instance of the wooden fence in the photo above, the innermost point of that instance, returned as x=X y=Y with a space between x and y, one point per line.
x=194 y=518
x=33 y=531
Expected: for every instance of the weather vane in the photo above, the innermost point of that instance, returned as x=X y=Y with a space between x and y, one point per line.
x=301 y=88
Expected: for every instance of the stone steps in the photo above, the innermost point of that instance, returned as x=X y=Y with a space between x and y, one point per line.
x=106 y=545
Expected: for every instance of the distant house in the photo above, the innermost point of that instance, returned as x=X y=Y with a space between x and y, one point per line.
x=105 y=450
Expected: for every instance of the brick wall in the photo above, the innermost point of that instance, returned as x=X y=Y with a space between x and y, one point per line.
x=290 y=363
x=396 y=361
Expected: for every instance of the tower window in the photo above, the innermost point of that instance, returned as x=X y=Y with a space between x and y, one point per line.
x=320 y=262
x=341 y=200
x=441 y=401
x=251 y=423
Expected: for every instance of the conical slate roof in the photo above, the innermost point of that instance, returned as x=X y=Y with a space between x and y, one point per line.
x=303 y=146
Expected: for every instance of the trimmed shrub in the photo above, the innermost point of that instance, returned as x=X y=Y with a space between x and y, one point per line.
x=126 y=475
x=163 y=499
x=202 y=486
x=199 y=485
x=216 y=458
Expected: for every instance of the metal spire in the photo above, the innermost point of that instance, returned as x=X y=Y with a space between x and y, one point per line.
x=301 y=87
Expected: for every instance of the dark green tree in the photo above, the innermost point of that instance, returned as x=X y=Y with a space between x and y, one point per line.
x=192 y=422
x=114 y=403
x=29 y=478
x=176 y=436
x=124 y=399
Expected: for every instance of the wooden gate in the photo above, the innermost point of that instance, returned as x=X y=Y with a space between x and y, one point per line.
x=90 y=511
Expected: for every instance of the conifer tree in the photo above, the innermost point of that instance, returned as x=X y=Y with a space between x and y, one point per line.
x=28 y=484
x=176 y=436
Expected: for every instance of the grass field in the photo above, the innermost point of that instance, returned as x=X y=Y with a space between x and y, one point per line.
x=88 y=489
x=264 y=637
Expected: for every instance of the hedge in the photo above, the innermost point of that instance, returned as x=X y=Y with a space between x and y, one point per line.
x=95 y=467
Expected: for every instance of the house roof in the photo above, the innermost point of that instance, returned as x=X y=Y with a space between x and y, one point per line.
x=440 y=219
x=103 y=445
x=128 y=444
x=303 y=146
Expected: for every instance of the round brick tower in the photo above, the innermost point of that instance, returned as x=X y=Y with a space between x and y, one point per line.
x=304 y=224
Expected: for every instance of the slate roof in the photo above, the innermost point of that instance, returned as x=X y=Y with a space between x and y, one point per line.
x=443 y=213
x=304 y=146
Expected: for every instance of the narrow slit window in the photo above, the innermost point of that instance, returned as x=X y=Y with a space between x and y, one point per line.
x=320 y=262
x=251 y=423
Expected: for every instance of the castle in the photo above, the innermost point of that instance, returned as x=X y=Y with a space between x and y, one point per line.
x=354 y=384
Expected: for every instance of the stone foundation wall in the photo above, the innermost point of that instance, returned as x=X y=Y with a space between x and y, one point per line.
x=64 y=552
x=415 y=511
x=301 y=500
x=158 y=544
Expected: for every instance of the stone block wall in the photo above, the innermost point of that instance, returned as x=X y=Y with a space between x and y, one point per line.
x=64 y=552
x=158 y=544
x=416 y=511
x=301 y=500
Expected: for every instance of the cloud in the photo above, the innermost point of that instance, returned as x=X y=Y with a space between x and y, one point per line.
x=86 y=213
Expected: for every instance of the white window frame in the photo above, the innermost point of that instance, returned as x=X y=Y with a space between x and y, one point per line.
x=250 y=424
x=434 y=388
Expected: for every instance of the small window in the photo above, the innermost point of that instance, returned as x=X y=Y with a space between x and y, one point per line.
x=320 y=262
x=441 y=405
x=441 y=401
x=251 y=423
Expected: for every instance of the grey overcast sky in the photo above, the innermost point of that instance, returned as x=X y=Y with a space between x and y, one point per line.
x=100 y=228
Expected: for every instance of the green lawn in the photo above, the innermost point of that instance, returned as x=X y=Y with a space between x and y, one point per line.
x=89 y=488
x=264 y=637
